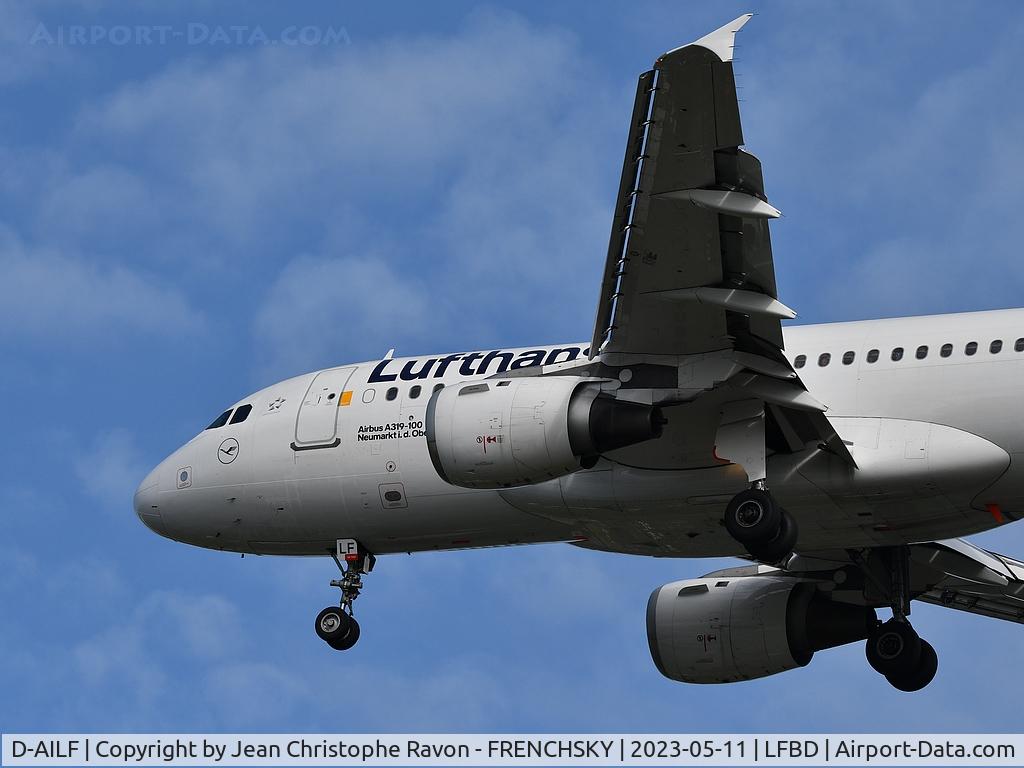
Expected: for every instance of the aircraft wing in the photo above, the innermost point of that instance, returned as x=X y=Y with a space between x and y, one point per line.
x=951 y=573
x=973 y=579
x=689 y=265
x=689 y=281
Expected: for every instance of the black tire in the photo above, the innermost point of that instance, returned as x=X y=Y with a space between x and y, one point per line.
x=921 y=675
x=349 y=640
x=893 y=648
x=333 y=624
x=751 y=517
x=781 y=546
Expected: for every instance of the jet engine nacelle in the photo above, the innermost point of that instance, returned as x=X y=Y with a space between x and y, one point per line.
x=518 y=431
x=720 y=630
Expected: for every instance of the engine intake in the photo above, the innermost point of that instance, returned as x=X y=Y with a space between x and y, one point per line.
x=519 y=431
x=720 y=630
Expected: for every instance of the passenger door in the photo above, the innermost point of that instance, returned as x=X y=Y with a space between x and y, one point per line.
x=317 y=423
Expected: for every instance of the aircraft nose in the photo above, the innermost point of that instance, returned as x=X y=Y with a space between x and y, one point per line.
x=147 y=502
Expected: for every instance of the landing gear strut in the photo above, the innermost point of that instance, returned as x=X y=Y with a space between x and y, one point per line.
x=336 y=625
x=752 y=517
x=893 y=648
x=764 y=528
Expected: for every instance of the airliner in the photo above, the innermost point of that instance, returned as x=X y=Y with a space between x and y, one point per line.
x=842 y=462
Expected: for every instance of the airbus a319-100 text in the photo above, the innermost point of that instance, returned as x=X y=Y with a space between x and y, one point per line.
x=842 y=461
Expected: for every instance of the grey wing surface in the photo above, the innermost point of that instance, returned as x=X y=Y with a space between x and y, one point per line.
x=951 y=573
x=689 y=265
x=689 y=281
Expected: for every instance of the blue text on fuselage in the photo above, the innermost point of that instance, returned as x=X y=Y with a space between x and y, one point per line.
x=495 y=361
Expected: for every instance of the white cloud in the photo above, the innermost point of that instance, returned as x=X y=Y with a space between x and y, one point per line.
x=140 y=655
x=117 y=659
x=279 y=128
x=455 y=693
x=105 y=204
x=897 y=167
x=526 y=228
x=262 y=695
x=485 y=176
x=27 y=47
x=208 y=625
x=319 y=312
x=552 y=582
x=21 y=567
x=111 y=469
x=49 y=294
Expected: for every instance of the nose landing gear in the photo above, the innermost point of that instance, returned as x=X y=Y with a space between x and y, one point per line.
x=336 y=625
x=337 y=628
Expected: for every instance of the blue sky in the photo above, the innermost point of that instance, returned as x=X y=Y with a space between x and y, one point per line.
x=184 y=223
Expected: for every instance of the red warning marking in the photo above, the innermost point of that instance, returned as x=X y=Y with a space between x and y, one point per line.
x=996 y=512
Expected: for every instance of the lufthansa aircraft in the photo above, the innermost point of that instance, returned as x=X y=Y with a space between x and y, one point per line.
x=840 y=460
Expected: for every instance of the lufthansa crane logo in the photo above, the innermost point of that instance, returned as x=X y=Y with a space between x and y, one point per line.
x=228 y=451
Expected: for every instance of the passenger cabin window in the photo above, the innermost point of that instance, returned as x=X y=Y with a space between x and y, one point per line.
x=824 y=359
x=922 y=352
x=872 y=355
x=971 y=348
x=800 y=361
x=415 y=391
x=946 y=351
x=996 y=346
x=438 y=387
x=368 y=395
x=391 y=394
x=848 y=357
x=241 y=414
x=221 y=420
x=897 y=354
x=1018 y=345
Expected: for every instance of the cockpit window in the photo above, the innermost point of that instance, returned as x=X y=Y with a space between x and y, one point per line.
x=241 y=414
x=221 y=420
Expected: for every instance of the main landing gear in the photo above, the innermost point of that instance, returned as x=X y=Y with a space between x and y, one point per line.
x=896 y=651
x=893 y=648
x=764 y=528
x=752 y=517
x=336 y=625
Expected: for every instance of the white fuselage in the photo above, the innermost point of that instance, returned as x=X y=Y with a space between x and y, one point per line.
x=340 y=453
